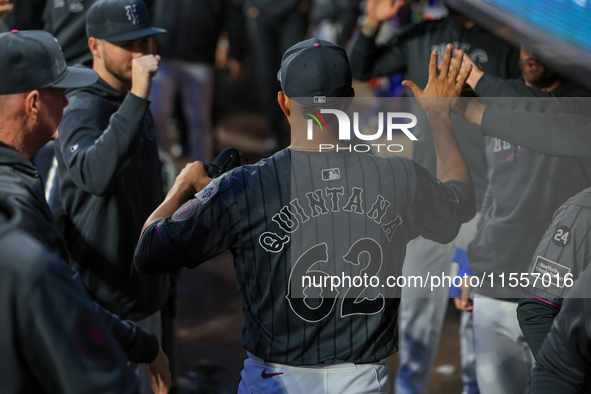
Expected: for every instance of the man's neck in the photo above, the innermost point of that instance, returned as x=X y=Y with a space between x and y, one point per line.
x=18 y=145
x=549 y=88
x=15 y=135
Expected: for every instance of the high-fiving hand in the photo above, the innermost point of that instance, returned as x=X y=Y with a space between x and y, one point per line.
x=465 y=62
x=447 y=84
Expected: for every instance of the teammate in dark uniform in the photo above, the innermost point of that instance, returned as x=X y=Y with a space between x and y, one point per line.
x=525 y=189
x=297 y=208
x=109 y=170
x=563 y=362
x=562 y=251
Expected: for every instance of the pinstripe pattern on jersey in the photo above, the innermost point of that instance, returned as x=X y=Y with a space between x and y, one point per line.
x=575 y=215
x=243 y=209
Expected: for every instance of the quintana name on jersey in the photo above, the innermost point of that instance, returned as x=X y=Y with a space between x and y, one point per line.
x=323 y=202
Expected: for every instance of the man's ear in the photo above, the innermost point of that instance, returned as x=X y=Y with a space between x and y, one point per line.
x=93 y=45
x=32 y=105
x=285 y=104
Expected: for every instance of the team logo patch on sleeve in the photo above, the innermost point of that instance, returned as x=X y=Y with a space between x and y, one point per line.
x=207 y=192
x=562 y=236
x=331 y=174
x=185 y=211
x=551 y=274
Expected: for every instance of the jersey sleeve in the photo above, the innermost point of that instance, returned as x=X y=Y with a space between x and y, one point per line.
x=546 y=133
x=199 y=230
x=563 y=363
x=535 y=320
x=441 y=208
x=492 y=86
x=369 y=60
x=95 y=155
x=138 y=345
x=562 y=251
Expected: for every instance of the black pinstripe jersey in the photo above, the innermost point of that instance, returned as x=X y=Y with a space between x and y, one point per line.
x=300 y=214
x=564 y=249
x=563 y=362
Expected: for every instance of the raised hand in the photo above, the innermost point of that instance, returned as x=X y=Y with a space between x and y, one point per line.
x=475 y=74
x=143 y=69
x=448 y=83
x=381 y=10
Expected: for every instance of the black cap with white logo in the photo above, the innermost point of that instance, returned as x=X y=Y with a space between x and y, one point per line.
x=32 y=60
x=119 y=20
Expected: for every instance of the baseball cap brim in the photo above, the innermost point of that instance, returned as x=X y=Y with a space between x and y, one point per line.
x=77 y=78
x=132 y=35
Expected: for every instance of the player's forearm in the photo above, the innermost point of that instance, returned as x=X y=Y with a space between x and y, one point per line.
x=95 y=157
x=368 y=60
x=474 y=111
x=535 y=320
x=556 y=134
x=177 y=196
x=370 y=27
x=450 y=161
x=138 y=345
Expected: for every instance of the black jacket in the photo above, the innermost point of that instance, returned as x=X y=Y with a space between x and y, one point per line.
x=109 y=177
x=20 y=182
x=51 y=339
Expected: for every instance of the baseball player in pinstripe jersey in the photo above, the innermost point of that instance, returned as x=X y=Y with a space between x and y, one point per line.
x=307 y=213
x=563 y=250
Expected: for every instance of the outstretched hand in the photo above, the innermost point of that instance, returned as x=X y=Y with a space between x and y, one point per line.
x=448 y=83
x=381 y=10
x=465 y=62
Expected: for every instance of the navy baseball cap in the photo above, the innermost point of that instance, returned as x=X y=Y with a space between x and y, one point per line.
x=313 y=70
x=32 y=60
x=119 y=20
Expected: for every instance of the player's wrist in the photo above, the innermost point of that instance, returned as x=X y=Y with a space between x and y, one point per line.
x=140 y=91
x=370 y=26
x=474 y=111
x=475 y=77
x=203 y=181
x=438 y=111
x=183 y=190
